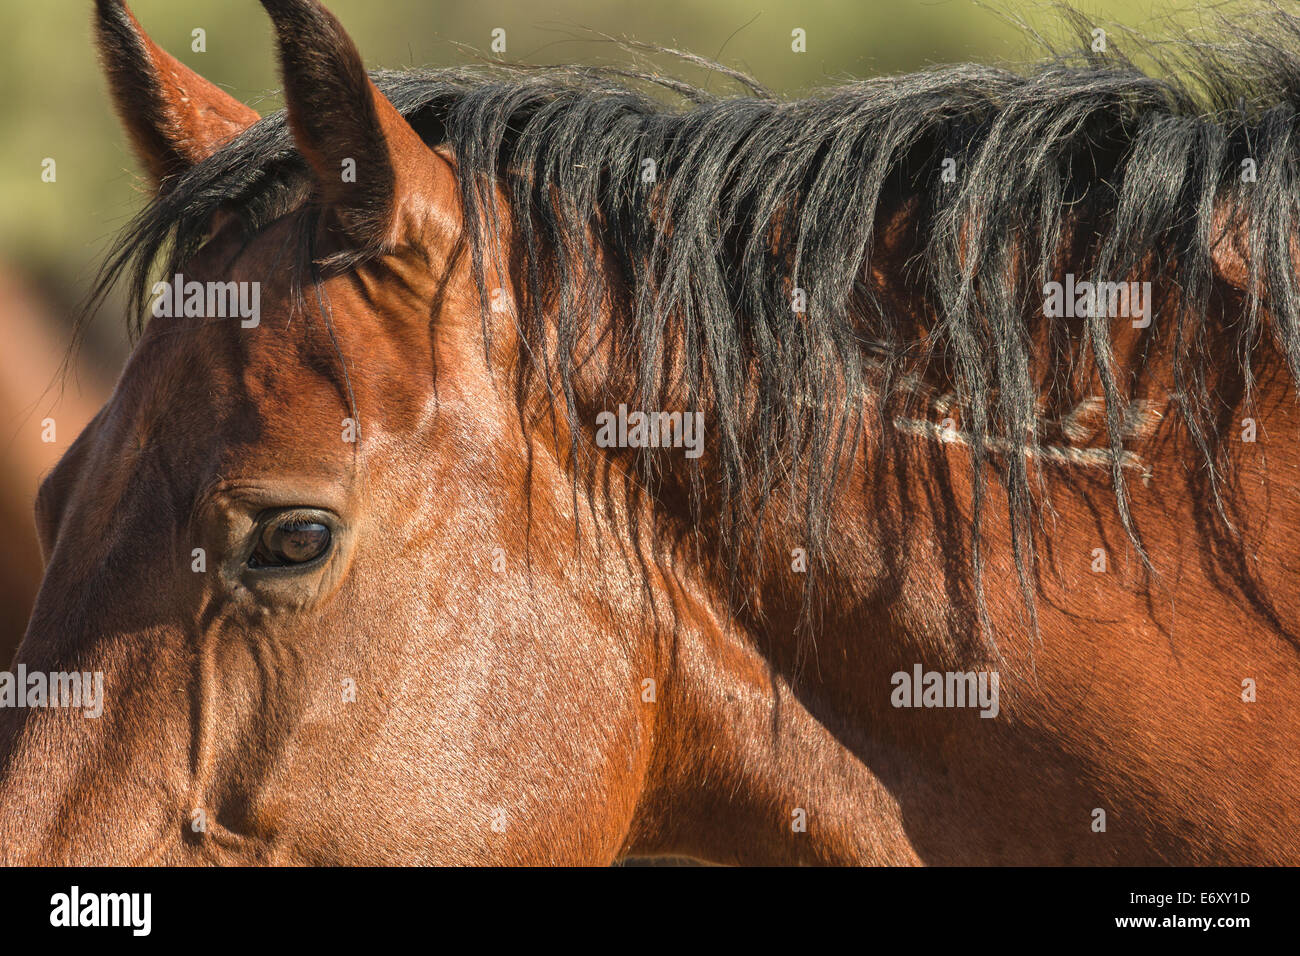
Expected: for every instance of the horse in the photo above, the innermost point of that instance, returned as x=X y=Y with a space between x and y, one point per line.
x=556 y=465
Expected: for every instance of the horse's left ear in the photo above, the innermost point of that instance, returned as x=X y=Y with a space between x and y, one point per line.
x=370 y=165
x=175 y=117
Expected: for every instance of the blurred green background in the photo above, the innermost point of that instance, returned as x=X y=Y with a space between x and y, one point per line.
x=54 y=105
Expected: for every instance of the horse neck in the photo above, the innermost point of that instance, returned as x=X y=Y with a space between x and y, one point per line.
x=761 y=675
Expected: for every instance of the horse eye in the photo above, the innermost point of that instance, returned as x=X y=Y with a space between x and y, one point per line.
x=291 y=542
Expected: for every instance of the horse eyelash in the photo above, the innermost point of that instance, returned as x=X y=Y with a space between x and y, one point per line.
x=292 y=518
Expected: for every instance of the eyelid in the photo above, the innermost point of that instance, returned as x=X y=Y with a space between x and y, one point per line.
x=293 y=515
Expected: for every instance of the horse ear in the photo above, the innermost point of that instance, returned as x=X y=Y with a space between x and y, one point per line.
x=1228 y=249
x=365 y=156
x=175 y=117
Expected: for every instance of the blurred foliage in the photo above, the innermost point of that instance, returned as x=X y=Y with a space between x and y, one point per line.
x=55 y=103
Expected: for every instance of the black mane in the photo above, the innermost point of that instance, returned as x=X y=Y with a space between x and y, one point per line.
x=754 y=195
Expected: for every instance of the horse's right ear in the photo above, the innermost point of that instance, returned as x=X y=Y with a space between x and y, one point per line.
x=175 y=117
